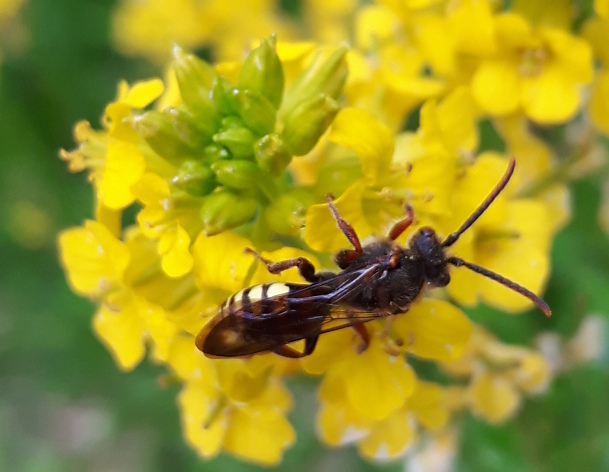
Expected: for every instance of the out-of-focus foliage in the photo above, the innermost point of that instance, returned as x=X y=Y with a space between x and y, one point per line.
x=63 y=404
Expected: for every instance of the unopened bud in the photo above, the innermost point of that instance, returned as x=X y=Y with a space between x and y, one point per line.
x=272 y=154
x=323 y=76
x=195 y=77
x=307 y=121
x=236 y=174
x=239 y=141
x=215 y=152
x=224 y=210
x=262 y=72
x=195 y=178
x=197 y=131
x=158 y=130
x=286 y=214
x=222 y=96
x=256 y=111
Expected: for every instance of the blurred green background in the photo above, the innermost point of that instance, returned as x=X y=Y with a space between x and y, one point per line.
x=64 y=406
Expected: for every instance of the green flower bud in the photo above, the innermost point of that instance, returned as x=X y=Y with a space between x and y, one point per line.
x=307 y=121
x=215 y=152
x=262 y=72
x=158 y=130
x=321 y=77
x=197 y=131
x=237 y=174
x=272 y=154
x=195 y=178
x=239 y=141
x=256 y=111
x=195 y=78
x=286 y=214
x=224 y=210
x=223 y=98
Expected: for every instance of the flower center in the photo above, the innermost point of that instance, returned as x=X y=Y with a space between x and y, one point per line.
x=532 y=61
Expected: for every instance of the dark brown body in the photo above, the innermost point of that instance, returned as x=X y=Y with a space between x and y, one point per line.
x=376 y=280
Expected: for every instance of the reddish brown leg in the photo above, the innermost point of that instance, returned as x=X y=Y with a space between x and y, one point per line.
x=345 y=257
x=305 y=267
x=402 y=225
x=362 y=332
x=290 y=352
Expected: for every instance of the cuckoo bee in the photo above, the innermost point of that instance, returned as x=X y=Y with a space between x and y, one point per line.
x=376 y=280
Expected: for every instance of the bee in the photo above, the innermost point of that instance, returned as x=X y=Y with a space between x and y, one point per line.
x=377 y=280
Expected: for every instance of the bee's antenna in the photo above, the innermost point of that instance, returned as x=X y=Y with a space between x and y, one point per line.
x=457 y=262
x=452 y=237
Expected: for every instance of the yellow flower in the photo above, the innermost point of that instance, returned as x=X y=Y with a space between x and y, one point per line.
x=114 y=157
x=499 y=375
x=232 y=405
x=93 y=259
x=539 y=71
x=151 y=27
x=222 y=162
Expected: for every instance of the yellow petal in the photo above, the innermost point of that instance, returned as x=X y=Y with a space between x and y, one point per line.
x=374 y=24
x=428 y=406
x=94 y=260
x=377 y=383
x=367 y=137
x=259 y=438
x=122 y=331
x=124 y=167
x=388 y=439
x=433 y=329
x=220 y=262
x=493 y=398
x=478 y=40
x=533 y=375
x=551 y=97
x=601 y=7
x=437 y=46
x=188 y=362
x=331 y=349
x=197 y=401
x=236 y=382
x=338 y=424
x=174 y=247
x=513 y=31
x=457 y=120
x=574 y=55
x=143 y=93
x=523 y=260
x=598 y=107
x=496 y=86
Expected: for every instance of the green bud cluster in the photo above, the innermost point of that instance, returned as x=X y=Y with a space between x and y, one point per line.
x=230 y=143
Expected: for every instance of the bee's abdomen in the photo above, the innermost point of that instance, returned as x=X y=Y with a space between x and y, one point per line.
x=257 y=301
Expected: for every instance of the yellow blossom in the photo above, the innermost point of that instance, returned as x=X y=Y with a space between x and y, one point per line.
x=539 y=71
x=219 y=161
x=226 y=405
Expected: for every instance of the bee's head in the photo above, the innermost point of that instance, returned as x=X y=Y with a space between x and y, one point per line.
x=426 y=242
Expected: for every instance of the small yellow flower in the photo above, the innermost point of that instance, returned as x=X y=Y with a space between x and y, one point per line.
x=499 y=375
x=232 y=404
x=539 y=71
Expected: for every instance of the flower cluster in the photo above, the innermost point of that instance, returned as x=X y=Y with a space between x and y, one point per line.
x=241 y=154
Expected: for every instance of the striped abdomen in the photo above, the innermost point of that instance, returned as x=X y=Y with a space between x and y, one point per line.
x=264 y=317
x=257 y=301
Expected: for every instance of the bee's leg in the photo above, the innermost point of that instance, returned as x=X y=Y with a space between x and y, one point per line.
x=363 y=333
x=343 y=258
x=402 y=225
x=305 y=267
x=290 y=352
